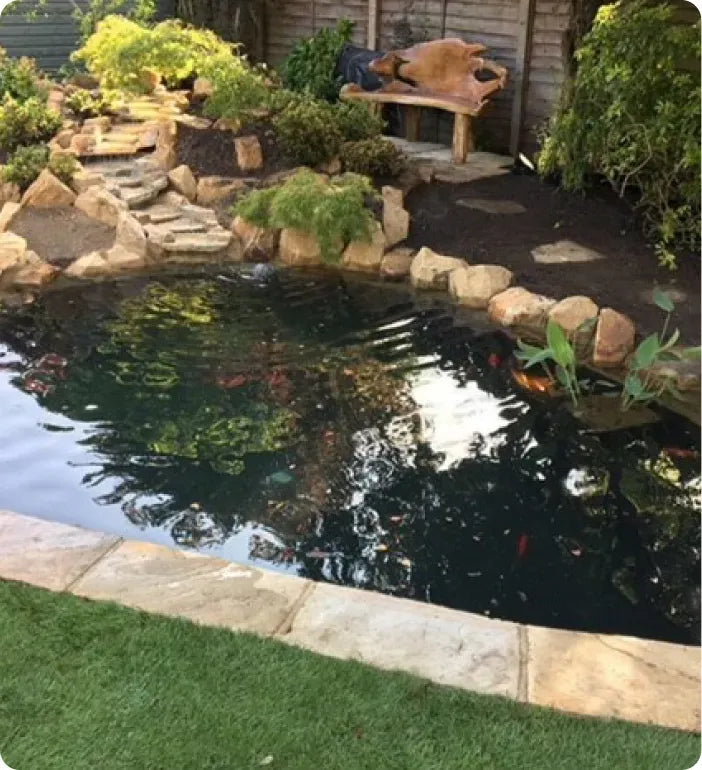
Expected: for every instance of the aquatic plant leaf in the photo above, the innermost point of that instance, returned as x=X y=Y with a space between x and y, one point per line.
x=663 y=300
x=674 y=337
x=647 y=351
x=558 y=342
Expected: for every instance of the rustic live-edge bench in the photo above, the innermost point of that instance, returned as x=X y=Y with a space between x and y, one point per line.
x=439 y=74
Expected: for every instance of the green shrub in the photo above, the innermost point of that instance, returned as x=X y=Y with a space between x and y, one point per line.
x=19 y=78
x=308 y=132
x=25 y=123
x=356 y=121
x=26 y=163
x=121 y=51
x=632 y=115
x=239 y=89
x=140 y=11
x=83 y=103
x=310 y=67
x=334 y=212
x=372 y=157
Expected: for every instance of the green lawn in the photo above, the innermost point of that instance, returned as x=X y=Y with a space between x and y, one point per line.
x=89 y=686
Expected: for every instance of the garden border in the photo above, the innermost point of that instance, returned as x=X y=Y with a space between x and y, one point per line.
x=597 y=675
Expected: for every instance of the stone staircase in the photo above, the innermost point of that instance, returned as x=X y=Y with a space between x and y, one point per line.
x=137 y=182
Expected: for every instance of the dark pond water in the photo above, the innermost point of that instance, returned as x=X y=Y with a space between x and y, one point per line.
x=338 y=431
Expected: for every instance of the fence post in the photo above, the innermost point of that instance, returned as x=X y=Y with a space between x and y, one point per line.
x=520 y=75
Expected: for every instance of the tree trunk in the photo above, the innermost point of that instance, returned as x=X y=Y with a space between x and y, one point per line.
x=240 y=21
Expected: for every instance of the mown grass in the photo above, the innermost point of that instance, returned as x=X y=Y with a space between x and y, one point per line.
x=91 y=686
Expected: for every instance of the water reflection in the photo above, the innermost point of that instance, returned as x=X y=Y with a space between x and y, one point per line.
x=341 y=432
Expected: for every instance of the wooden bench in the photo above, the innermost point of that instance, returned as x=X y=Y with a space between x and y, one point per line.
x=439 y=74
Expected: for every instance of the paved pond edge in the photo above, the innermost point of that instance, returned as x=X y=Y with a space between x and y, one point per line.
x=598 y=675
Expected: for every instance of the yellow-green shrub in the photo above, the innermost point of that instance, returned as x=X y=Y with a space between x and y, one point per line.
x=121 y=51
x=239 y=89
x=27 y=122
x=372 y=157
x=26 y=163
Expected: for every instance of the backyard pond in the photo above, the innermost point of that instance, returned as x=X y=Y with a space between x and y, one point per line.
x=338 y=430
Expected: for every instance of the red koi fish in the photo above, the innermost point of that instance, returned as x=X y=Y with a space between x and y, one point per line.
x=681 y=454
x=494 y=361
x=32 y=385
x=51 y=361
x=232 y=381
x=522 y=546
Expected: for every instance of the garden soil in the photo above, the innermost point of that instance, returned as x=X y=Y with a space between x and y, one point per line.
x=60 y=235
x=623 y=278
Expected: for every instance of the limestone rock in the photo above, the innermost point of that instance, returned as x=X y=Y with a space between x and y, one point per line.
x=259 y=243
x=396 y=264
x=64 y=137
x=393 y=196
x=475 y=286
x=84 y=179
x=519 y=307
x=34 y=275
x=430 y=270
x=8 y=213
x=202 y=88
x=149 y=80
x=299 y=249
x=226 y=124
x=396 y=222
x=46 y=191
x=130 y=235
x=93 y=265
x=235 y=250
x=366 y=256
x=99 y=124
x=211 y=189
x=82 y=144
x=9 y=192
x=183 y=182
x=13 y=251
x=614 y=338
x=166 y=155
x=172 y=198
x=572 y=312
x=121 y=258
x=249 y=155
x=100 y=204
x=331 y=167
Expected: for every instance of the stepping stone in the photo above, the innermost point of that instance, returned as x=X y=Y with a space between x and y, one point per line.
x=491 y=206
x=188 y=227
x=196 y=242
x=564 y=252
x=159 y=215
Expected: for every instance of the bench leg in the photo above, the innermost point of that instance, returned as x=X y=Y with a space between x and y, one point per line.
x=463 y=141
x=413 y=117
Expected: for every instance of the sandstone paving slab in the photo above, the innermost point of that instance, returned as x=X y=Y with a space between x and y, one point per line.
x=639 y=680
x=189 y=585
x=46 y=553
x=446 y=646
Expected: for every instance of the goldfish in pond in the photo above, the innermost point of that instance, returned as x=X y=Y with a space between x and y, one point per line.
x=231 y=381
x=533 y=382
x=32 y=385
x=494 y=360
x=681 y=454
x=51 y=360
x=522 y=546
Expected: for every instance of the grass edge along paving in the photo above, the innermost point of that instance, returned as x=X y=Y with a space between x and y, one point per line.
x=87 y=685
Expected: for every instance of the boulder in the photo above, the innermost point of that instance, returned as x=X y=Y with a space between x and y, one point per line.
x=84 y=179
x=396 y=222
x=249 y=155
x=121 y=258
x=572 y=312
x=130 y=235
x=149 y=80
x=82 y=144
x=614 y=338
x=366 y=256
x=172 y=198
x=64 y=137
x=93 y=265
x=13 y=251
x=235 y=251
x=475 y=286
x=183 y=182
x=520 y=307
x=211 y=189
x=299 y=249
x=100 y=204
x=430 y=270
x=331 y=167
x=166 y=155
x=259 y=243
x=99 y=124
x=9 y=192
x=7 y=214
x=393 y=196
x=34 y=275
x=396 y=264
x=46 y=191
x=202 y=88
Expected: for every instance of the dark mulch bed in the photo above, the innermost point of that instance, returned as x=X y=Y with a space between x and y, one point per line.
x=61 y=235
x=601 y=222
x=210 y=152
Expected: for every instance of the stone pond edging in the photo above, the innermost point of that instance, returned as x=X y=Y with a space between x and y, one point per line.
x=590 y=674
